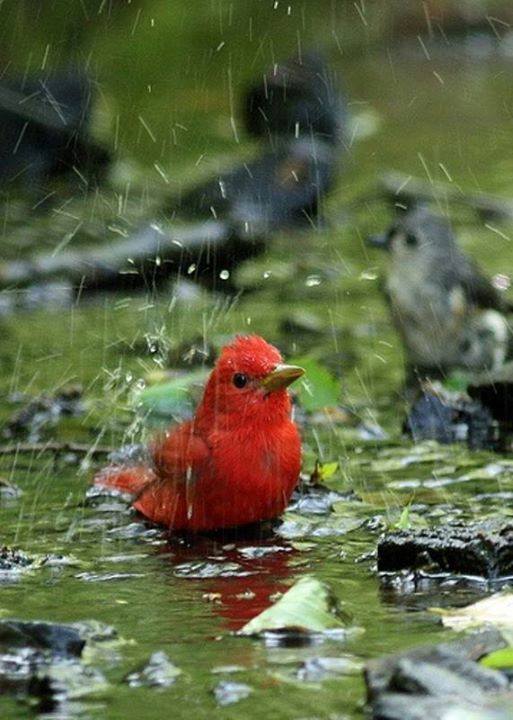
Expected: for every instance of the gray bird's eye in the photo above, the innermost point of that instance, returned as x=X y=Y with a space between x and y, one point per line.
x=240 y=380
x=410 y=239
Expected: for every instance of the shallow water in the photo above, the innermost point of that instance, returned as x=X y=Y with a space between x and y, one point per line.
x=448 y=116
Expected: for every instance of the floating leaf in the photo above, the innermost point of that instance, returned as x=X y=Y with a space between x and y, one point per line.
x=307 y=607
x=404 y=519
x=499 y=659
x=319 y=388
x=494 y=610
x=172 y=400
x=322 y=472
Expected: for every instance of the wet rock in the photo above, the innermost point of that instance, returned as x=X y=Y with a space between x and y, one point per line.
x=108 y=500
x=159 y=672
x=63 y=640
x=107 y=577
x=8 y=491
x=393 y=706
x=43 y=662
x=43 y=412
x=228 y=693
x=15 y=562
x=257 y=552
x=430 y=682
x=135 y=530
x=317 y=669
x=450 y=417
x=480 y=548
x=129 y=455
x=201 y=570
x=317 y=499
x=295 y=527
x=494 y=391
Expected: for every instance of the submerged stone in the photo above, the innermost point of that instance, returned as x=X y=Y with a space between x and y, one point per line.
x=44 y=661
x=43 y=412
x=159 y=672
x=63 y=640
x=228 y=693
x=477 y=548
x=14 y=560
x=317 y=669
x=438 y=682
x=450 y=417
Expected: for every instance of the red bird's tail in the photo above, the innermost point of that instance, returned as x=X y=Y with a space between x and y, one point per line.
x=131 y=480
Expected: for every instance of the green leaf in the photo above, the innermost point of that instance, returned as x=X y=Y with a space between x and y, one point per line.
x=175 y=399
x=499 y=659
x=327 y=470
x=308 y=606
x=319 y=388
x=404 y=520
x=322 y=472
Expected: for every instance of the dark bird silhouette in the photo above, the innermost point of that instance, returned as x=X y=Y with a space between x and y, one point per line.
x=45 y=130
x=297 y=115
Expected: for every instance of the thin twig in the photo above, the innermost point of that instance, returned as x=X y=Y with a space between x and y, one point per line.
x=398 y=186
x=55 y=447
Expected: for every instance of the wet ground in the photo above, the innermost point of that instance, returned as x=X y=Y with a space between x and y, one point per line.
x=446 y=118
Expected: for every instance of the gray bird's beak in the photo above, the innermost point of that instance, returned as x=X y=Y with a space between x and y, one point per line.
x=281 y=377
x=379 y=241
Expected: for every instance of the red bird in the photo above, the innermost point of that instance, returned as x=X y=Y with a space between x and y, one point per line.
x=237 y=461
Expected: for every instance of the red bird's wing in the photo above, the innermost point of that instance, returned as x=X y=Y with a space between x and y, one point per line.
x=180 y=455
x=179 y=460
x=130 y=479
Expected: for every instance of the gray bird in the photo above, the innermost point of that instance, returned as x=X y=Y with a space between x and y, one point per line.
x=447 y=312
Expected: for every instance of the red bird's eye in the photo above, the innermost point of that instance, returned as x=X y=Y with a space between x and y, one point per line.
x=240 y=380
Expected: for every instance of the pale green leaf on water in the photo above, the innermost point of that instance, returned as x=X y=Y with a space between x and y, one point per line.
x=327 y=470
x=318 y=388
x=499 y=659
x=323 y=471
x=307 y=606
x=404 y=519
x=174 y=400
x=494 y=610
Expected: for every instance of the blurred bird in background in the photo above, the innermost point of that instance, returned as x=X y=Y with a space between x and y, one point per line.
x=297 y=114
x=449 y=315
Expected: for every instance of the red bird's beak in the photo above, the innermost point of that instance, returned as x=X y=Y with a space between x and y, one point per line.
x=281 y=377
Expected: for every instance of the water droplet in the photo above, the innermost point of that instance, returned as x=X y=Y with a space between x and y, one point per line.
x=224 y=274
x=368 y=275
x=501 y=281
x=191 y=269
x=313 y=281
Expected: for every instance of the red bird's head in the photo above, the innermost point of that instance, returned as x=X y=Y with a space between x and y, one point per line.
x=248 y=381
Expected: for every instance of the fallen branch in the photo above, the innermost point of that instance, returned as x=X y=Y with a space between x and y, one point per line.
x=166 y=248
x=55 y=447
x=399 y=187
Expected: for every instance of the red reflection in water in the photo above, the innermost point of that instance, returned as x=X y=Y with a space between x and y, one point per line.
x=255 y=569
